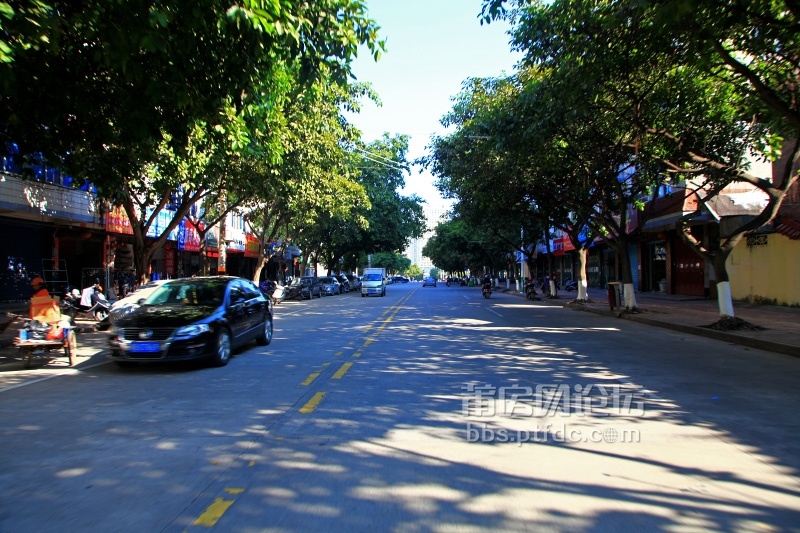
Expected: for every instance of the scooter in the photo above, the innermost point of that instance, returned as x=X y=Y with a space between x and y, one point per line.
x=570 y=285
x=487 y=291
x=530 y=290
x=278 y=294
x=74 y=305
x=273 y=290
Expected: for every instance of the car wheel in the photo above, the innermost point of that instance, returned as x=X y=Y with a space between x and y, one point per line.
x=266 y=336
x=222 y=348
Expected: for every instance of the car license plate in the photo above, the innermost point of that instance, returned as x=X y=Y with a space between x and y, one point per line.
x=146 y=347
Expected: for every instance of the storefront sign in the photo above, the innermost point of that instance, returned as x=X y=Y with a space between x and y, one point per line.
x=188 y=237
x=117 y=221
x=251 y=246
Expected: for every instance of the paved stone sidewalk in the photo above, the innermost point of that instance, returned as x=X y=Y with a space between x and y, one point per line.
x=689 y=314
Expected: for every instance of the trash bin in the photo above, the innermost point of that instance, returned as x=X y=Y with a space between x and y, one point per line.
x=614 y=294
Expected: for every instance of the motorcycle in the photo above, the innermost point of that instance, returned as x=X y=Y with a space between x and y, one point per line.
x=91 y=304
x=487 y=290
x=530 y=290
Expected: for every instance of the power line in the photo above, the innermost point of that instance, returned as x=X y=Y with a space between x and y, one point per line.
x=386 y=161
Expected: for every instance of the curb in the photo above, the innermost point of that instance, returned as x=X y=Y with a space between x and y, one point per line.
x=749 y=342
x=770 y=346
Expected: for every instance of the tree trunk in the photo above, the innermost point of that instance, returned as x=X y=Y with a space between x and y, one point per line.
x=583 y=254
x=141 y=260
x=262 y=261
x=724 y=296
x=549 y=269
x=629 y=294
x=222 y=250
x=204 y=266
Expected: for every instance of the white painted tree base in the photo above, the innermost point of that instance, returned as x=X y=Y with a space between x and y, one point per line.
x=630 y=296
x=583 y=294
x=724 y=298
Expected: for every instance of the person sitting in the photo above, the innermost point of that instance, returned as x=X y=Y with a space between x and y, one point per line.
x=42 y=307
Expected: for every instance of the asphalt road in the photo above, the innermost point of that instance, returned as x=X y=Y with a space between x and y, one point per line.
x=430 y=409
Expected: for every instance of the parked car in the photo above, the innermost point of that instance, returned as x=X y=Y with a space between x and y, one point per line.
x=309 y=287
x=131 y=302
x=193 y=318
x=344 y=283
x=355 y=282
x=293 y=289
x=429 y=281
x=328 y=285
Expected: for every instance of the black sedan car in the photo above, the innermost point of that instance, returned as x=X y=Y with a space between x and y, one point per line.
x=193 y=318
x=309 y=287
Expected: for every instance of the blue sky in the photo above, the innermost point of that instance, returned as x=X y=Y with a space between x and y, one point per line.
x=432 y=47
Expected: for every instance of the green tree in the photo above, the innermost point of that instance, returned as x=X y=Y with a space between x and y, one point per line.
x=100 y=89
x=113 y=106
x=700 y=85
x=413 y=272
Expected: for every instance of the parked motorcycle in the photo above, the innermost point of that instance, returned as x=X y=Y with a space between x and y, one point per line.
x=278 y=294
x=90 y=304
x=530 y=290
x=570 y=285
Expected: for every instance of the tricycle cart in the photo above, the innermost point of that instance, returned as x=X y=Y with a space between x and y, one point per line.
x=68 y=343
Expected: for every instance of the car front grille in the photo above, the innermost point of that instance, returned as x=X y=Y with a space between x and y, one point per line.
x=147 y=334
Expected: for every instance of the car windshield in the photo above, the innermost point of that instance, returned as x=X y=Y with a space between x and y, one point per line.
x=372 y=277
x=188 y=292
x=325 y=280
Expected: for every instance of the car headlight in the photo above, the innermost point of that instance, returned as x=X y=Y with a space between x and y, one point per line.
x=192 y=331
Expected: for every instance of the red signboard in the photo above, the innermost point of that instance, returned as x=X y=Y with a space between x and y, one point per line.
x=251 y=246
x=117 y=221
x=562 y=244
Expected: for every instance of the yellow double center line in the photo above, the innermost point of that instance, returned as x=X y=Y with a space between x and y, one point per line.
x=220 y=505
x=311 y=404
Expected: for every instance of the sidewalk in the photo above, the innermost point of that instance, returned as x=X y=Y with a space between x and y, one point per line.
x=688 y=314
